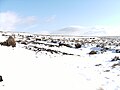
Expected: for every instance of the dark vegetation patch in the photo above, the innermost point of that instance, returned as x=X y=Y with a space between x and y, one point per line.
x=107 y=71
x=64 y=44
x=98 y=64
x=38 y=49
x=92 y=52
x=1 y=79
x=77 y=45
x=116 y=58
x=117 y=50
x=116 y=64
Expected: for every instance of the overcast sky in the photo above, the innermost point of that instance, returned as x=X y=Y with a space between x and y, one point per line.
x=50 y=15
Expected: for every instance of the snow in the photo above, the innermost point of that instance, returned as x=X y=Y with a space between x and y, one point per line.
x=24 y=69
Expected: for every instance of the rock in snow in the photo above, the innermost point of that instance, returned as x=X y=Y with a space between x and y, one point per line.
x=9 y=42
x=1 y=79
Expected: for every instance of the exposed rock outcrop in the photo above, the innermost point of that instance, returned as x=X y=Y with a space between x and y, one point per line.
x=9 y=42
x=1 y=79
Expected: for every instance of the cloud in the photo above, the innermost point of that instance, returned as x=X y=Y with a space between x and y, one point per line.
x=12 y=21
x=8 y=20
x=30 y=20
x=50 y=19
x=28 y=28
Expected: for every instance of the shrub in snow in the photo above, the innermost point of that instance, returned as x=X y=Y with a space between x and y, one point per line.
x=28 y=37
x=107 y=48
x=53 y=41
x=1 y=79
x=114 y=65
x=98 y=64
x=51 y=45
x=102 y=46
x=92 y=52
x=115 y=58
x=77 y=45
x=63 y=44
x=107 y=71
x=24 y=42
x=117 y=51
x=97 y=45
x=38 y=39
x=4 y=35
x=19 y=41
x=3 y=43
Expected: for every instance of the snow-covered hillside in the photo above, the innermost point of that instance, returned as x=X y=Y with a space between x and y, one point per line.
x=88 y=31
x=57 y=62
x=82 y=31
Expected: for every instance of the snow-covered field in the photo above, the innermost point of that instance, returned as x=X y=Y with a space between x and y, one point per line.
x=49 y=62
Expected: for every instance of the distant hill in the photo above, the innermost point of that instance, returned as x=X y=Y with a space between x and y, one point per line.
x=81 y=31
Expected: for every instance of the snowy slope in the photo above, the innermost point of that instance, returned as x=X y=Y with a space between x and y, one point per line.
x=23 y=68
x=21 y=71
